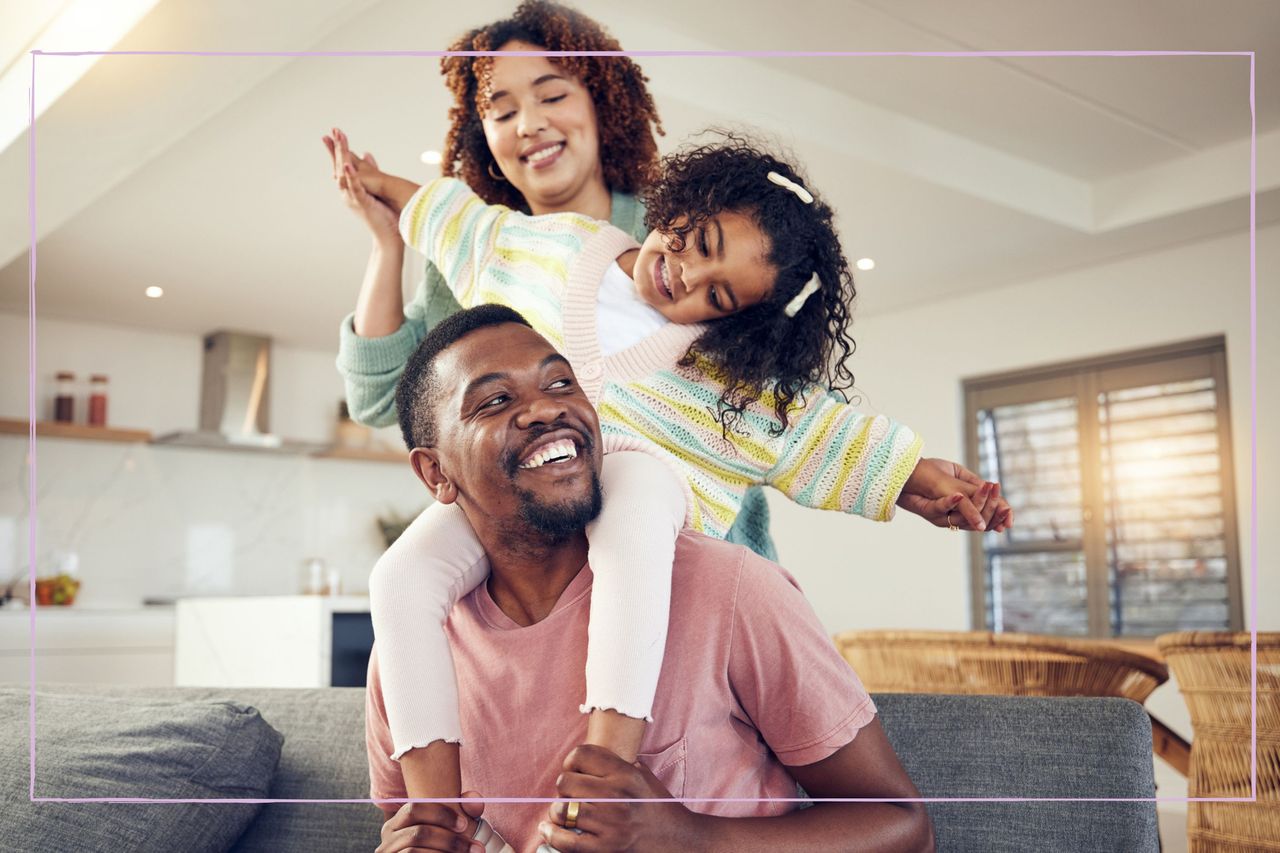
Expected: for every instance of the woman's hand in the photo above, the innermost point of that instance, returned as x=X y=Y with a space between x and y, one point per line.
x=946 y=493
x=359 y=180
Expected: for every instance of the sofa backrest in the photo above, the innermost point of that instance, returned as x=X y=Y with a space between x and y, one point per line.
x=1028 y=747
x=952 y=746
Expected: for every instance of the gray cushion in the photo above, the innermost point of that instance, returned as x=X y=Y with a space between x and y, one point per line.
x=323 y=759
x=95 y=746
x=1017 y=746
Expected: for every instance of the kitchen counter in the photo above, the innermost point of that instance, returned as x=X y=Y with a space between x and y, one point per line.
x=273 y=641
x=109 y=644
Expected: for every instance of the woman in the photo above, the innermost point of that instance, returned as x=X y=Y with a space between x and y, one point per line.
x=576 y=134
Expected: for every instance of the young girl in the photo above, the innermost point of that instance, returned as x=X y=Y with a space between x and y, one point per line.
x=709 y=352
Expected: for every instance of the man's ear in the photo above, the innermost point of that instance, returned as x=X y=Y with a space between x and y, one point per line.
x=426 y=464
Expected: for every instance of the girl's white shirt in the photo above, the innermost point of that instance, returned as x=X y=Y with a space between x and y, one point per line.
x=623 y=318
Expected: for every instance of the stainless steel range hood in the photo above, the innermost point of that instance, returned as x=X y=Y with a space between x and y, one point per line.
x=235 y=398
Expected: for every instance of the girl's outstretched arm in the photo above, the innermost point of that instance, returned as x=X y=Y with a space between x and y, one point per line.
x=448 y=223
x=835 y=457
x=832 y=456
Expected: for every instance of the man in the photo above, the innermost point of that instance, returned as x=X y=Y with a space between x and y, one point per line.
x=752 y=700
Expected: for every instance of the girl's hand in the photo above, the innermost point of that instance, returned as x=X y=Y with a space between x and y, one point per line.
x=358 y=180
x=946 y=493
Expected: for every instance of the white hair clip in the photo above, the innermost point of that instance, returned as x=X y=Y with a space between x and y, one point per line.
x=803 y=194
x=811 y=287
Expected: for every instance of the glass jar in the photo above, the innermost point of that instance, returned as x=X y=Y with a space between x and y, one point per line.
x=64 y=401
x=97 y=400
x=314 y=579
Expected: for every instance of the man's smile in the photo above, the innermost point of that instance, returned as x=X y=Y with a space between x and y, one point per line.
x=561 y=450
x=557 y=452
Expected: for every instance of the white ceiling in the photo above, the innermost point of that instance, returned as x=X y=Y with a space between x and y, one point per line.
x=205 y=175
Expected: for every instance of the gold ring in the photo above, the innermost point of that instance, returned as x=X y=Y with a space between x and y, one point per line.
x=571 y=815
x=951 y=525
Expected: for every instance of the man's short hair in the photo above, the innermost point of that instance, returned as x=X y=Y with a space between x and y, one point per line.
x=418 y=390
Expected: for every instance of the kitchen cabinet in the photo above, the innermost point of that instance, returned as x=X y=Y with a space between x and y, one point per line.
x=273 y=641
x=125 y=646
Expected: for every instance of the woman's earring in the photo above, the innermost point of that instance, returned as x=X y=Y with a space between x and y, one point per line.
x=496 y=177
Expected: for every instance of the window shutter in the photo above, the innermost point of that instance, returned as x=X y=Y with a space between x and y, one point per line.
x=1165 y=531
x=1119 y=471
x=1036 y=576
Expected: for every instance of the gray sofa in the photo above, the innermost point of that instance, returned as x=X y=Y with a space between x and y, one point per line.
x=953 y=746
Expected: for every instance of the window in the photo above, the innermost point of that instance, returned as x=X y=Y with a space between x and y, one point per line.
x=1119 y=471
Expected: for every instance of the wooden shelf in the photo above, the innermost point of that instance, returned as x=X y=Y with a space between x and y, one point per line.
x=51 y=429
x=397 y=456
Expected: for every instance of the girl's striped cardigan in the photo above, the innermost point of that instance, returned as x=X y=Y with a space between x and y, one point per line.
x=549 y=269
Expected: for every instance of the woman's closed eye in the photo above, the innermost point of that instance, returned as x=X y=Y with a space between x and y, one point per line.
x=713 y=296
x=510 y=114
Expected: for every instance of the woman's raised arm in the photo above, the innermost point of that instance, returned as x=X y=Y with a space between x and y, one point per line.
x=380 y=304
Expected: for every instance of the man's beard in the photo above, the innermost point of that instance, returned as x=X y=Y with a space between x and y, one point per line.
x=559 y=521
x=562 y=519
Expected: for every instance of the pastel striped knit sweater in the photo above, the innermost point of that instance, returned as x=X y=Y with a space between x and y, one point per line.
x=549 y=269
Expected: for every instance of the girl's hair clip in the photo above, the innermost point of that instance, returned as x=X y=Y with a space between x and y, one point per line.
x=797 y=302
x=781 y=180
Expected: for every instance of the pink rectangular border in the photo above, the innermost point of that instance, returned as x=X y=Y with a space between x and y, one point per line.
x=1253 y=381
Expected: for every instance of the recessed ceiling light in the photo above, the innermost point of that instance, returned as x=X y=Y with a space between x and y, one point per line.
x=155 y=292
x=432 y=158
x=866 y=264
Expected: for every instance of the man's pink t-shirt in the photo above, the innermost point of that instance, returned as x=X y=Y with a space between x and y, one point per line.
x=750 y=682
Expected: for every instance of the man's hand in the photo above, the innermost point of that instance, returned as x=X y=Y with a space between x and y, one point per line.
x=596 y=772
x=944 y=492
x=432 y=826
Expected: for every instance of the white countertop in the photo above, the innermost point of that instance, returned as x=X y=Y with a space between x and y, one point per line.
x=84 y=610
x=329 y=603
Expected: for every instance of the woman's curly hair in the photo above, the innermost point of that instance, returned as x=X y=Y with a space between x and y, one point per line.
x=626 y=117
x=759 y=350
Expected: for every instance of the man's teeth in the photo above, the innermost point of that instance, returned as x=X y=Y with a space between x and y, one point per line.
x=559 y=451
x=539 y=156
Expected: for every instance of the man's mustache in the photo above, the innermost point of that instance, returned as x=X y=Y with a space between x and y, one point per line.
x=510 y=460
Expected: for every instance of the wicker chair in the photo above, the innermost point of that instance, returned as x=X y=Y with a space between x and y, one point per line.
x=1213 y=674
x=982 y=662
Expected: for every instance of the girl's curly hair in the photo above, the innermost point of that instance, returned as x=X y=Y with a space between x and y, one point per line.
x=760 y=351
x=626 y=117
